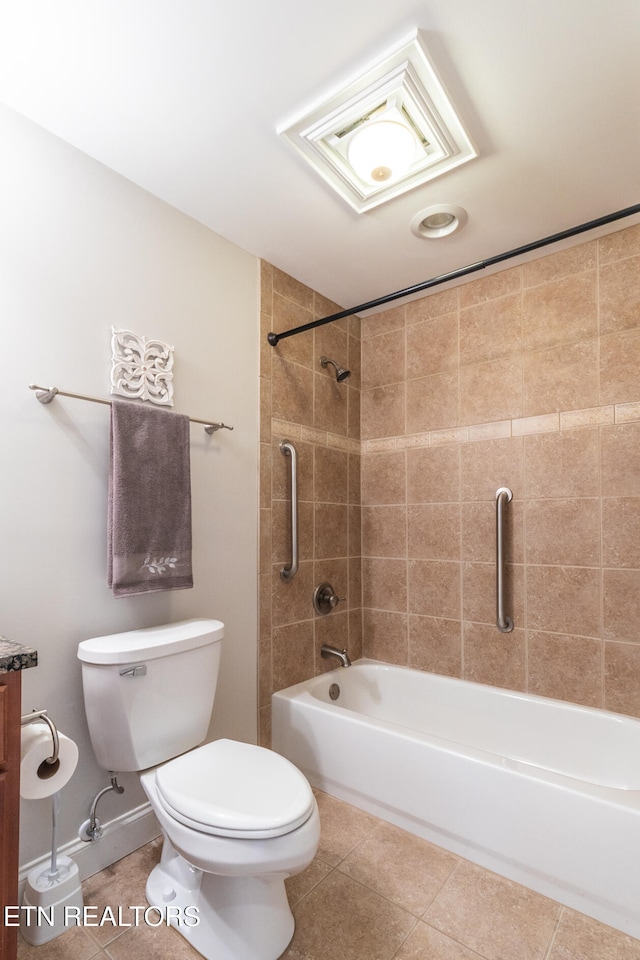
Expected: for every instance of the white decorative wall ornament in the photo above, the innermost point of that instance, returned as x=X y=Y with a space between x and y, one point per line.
x=141 y=368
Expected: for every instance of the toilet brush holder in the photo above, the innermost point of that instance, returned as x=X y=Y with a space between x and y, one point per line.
x=55 y=899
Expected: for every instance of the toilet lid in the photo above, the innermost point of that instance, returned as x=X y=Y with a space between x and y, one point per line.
x=235 y=789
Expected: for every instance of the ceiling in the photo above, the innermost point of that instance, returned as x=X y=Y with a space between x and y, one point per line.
x=185 y=98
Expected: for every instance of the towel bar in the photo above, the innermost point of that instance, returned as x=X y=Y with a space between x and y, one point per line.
x=46 y=395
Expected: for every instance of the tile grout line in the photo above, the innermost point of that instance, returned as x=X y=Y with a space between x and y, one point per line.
x=552 y=939
x=405 y=461
x=460 y=861
x=600 y=490
x=397 y=952
x=464 y=946
x=369 y=889
x=525 y=500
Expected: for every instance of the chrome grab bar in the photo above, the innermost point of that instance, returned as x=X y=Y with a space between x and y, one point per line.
x=287 y=449
x=503 y=623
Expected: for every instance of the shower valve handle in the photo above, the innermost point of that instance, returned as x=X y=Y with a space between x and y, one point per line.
x=325 y=599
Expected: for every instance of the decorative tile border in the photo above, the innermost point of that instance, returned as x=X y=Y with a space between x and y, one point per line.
x=490 y=431
x=593 y=417
x=627 y=412
x=283 y=428
x=297 y=431
x=498 y=430
x=502 y=429
x=526 y=426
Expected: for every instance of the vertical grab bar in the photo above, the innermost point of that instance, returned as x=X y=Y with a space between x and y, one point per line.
x=287 y=449
x=503 y=623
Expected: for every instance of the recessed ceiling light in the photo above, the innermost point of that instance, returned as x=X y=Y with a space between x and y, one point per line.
x=440 y=220
x=401 y=94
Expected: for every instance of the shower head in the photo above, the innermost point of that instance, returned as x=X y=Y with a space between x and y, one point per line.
x=341 y=373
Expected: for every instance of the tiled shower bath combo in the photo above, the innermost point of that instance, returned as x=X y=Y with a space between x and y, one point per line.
x=526 y=378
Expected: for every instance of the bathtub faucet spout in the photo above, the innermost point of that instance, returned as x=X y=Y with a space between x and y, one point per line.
x=326 y=651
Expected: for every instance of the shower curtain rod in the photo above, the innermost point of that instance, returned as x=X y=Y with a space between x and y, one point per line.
x=274 y=338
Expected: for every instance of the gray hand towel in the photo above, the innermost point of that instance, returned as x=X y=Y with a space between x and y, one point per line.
x=149 y=530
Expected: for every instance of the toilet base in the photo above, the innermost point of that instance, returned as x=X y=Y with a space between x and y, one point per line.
x=240 y=918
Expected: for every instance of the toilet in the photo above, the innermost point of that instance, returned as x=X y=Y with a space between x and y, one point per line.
x=237 y=819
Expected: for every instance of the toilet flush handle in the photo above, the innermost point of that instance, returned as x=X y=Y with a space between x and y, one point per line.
x=139 y=670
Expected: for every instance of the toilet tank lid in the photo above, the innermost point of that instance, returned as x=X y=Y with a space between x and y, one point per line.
x=149 y=643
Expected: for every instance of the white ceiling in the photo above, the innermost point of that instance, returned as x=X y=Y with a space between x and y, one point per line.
x=185 y=98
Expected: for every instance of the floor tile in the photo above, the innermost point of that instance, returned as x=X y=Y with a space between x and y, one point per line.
x=151 y=943
x=300 y=885
x=361 y=899
x=425 y=943
x=400 y=866
x=343 y=826
x=75 y=944
x=120 y=885
x=495 y=917
x=581 y=938
x=342 y=920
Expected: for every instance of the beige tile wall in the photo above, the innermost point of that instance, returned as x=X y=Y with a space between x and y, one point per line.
x=301 y=402
x=528 y=378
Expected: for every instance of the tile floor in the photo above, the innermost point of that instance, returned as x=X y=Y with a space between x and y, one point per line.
x=374 y=892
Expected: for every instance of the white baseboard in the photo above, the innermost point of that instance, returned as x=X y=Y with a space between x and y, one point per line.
x=121 y=836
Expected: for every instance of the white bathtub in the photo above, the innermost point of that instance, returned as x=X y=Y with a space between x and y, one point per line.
x=544 y=792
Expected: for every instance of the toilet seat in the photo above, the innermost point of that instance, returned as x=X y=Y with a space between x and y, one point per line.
x=233 y=789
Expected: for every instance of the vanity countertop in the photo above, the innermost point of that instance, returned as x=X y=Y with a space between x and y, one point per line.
x=15 y=656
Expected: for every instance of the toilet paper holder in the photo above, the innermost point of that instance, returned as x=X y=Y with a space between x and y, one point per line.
x=42 y=715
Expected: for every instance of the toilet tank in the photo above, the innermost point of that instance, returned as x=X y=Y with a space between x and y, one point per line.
x=148 y=693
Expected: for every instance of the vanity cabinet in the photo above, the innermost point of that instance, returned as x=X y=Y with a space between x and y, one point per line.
x=10 y=689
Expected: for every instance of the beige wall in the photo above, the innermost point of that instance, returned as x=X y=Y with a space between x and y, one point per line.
x=527 y=378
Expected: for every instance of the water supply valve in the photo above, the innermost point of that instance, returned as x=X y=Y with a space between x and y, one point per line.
x=325 y=599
